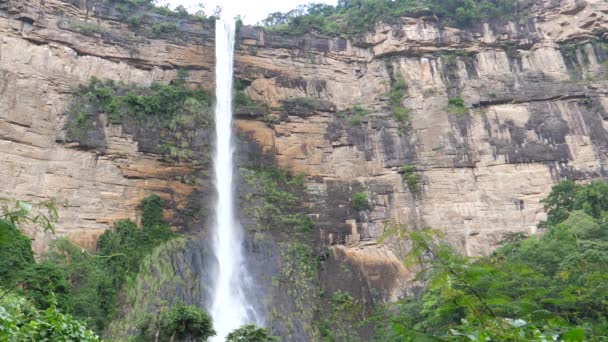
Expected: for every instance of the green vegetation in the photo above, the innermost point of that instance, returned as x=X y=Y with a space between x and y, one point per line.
x=177 y=321
x=42 y=214
x=343 y=314
x=354 y=115
x=278 y=197
x=85 y=27
x=457 y=106
x=578 y=63
x=172 y=110
x=15 y=252
x=450 y=59
x=307 y=103
x=146 y=295
x=355 y=17
x=149 y=8
x=359 y=201
x=412 y=179
x=22 y=321
x=276 y=202
x=19 y=319
x=241 y=100
x=186 y=322
x=77 y=282
x=161 y=29
x=538 y=288
x=16 y=248
x=251 y=333
x=300 y=277
x=163 y=101
x=396 y=96
x=143 y=17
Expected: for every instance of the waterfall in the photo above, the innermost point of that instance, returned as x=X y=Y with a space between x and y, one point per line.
x=230 y=308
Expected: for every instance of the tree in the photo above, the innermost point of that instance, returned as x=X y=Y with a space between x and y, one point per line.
x=21 y=321
x=537 y=288
x=251 y=333
x=16 y=248
x=43 y=214
x=152 y=210
x=181 y=11
x=559 y=202
x=186 y=321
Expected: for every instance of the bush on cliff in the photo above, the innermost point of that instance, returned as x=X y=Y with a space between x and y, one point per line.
x=163 y=118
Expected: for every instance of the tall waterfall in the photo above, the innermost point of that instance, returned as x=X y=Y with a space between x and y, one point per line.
x=230 y=308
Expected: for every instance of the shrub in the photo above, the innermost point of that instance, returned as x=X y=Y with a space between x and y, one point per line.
x=161 y=29
x=134 y=22
x=16 y=248
x=396 y=96
x=152 y=211
x=69 y=278
x=15 y=253
x=86 y=28
x=354 y=115
x=412 y=179
x=457 y=106
x=41 y=280
x=360 y=201
x=21 y=321
x=186 y=322
x=251 y=333
x=173 y=110
x=242 y=100
x=280 y=198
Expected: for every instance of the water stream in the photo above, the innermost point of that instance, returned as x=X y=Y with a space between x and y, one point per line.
x=230 y=308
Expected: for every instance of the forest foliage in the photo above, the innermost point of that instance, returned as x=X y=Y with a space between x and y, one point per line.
x=20 y=320
x=75 y=281
x=539 y=288
x=547 y=287
x=353 y=17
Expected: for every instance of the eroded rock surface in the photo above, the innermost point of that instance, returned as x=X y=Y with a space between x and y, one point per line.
x=535 y=93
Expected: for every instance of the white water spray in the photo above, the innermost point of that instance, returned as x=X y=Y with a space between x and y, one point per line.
x=230 y=308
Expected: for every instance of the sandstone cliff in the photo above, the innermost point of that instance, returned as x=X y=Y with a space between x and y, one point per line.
x=497 y=113
x=535 y=98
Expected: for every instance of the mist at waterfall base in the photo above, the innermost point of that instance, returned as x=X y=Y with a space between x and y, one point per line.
x=230 y=308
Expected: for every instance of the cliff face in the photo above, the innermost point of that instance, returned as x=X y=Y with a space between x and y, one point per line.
x=496 y=114
x=535 y=98
x=43 y=57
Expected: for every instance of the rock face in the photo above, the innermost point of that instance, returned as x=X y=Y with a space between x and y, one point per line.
x=534 y=94
x=41 y=60
x=497 y=113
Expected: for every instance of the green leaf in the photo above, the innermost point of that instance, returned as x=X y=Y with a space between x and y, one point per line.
x=25 y=206
x=574 y=335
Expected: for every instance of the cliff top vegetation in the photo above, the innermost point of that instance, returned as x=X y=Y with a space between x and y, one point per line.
x=353 y=17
